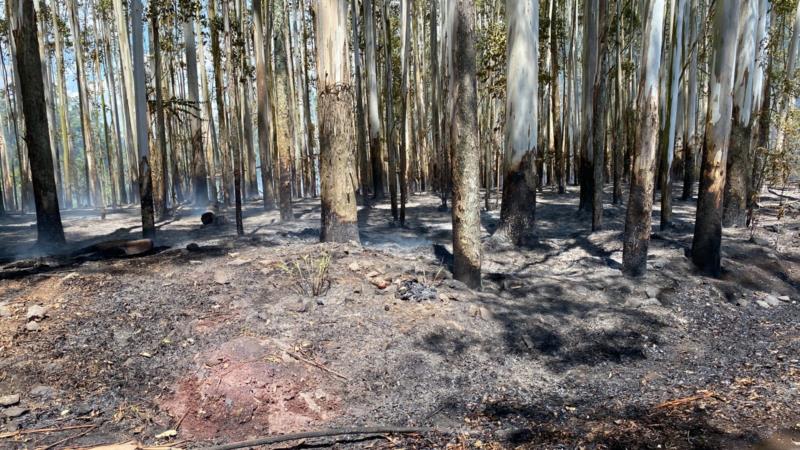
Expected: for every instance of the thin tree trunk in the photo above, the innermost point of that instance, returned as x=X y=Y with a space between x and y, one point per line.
x=283 y=124
x=93 y=192
x=388 y=86
x=373 y=112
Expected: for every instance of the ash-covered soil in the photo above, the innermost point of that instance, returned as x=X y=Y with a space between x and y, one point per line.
x=226 y=340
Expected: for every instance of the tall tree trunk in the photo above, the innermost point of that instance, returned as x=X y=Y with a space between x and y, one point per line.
x=235 y=130
x=140 y=101
x=388 y=86
x=638 y=218
x=29 y=67
x=63 y=110
x=361 y=129
x=199 y=182
x=690 y=136
x=555 y=112
x=598 y=121
x=739 y=163
x=435 y=125
x=373 y=112
x=93 y=193
x=518 y=209
x=465 y=148
x=706 y=245
x=219 y=87
x=282 y=112
x=673 y=91
x=405 y=39
x=161 y=161
x=337 y=153
x=128 y=96
x=590 y=64
x=262 y=104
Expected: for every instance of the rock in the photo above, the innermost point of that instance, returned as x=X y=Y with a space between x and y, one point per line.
x=651 y=291
x=8 y=400
x=772 y=300
x=193 y=247
x=354 y=266
x=43 y=391
x=5 y=310
x=742 y=302
x=300 y=306
x=373 y=274
x=785 y=298
x=36 y=312
x=32 y=326
x=762 y=304
x=379 y=283
x=643 y=302
x=16 y=411
x=221 y=277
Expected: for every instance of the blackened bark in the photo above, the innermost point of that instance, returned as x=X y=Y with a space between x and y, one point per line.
x=29 y=65
x=466 y=154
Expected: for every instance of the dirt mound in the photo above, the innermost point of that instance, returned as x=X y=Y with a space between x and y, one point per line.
x=247 y=388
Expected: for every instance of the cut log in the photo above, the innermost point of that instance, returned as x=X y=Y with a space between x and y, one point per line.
x=207 y=218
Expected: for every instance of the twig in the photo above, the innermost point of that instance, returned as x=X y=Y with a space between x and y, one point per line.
x=69 y=438
x=323 y=433
x=42 y=430
x=317 y=365
x=682 y=401
x=178 y=425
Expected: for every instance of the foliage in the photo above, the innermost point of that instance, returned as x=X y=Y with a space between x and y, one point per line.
x=310 y=274
x=492 y=58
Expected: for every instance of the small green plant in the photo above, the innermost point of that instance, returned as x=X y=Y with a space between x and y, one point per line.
x=311 y=274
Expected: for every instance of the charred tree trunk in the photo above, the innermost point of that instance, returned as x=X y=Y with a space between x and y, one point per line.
x=337 y=153
x=707 y=242
x=465 y=149
x=29 y=66
x=640 y=203
x=518 y=208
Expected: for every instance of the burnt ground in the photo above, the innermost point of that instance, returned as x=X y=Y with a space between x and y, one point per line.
x=226 y=341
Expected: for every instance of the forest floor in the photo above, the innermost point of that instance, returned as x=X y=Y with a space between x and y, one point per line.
x=224 y=341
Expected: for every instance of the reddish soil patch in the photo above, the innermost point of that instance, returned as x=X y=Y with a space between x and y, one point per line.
x=245 y=388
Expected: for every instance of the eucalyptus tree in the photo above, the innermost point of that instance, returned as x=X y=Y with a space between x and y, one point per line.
x=93 y=191
x=673 y=89
x=29 y=66
x=707 y=241
x=283 y=120
x=373 y=112
x=518 y=208
x=336 y=135
x=638 y=218
x=199 y=182
x=465 y=149
x=740 y=162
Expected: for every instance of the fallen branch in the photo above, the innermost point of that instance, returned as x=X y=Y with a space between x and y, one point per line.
x=317 y=365
x=774 y=192
x=701 y=395
x=323 y=433
x=42 y=430
x=69 y=438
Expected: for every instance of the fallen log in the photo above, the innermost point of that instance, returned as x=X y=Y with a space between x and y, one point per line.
x=117 y=248
x=323 y=433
